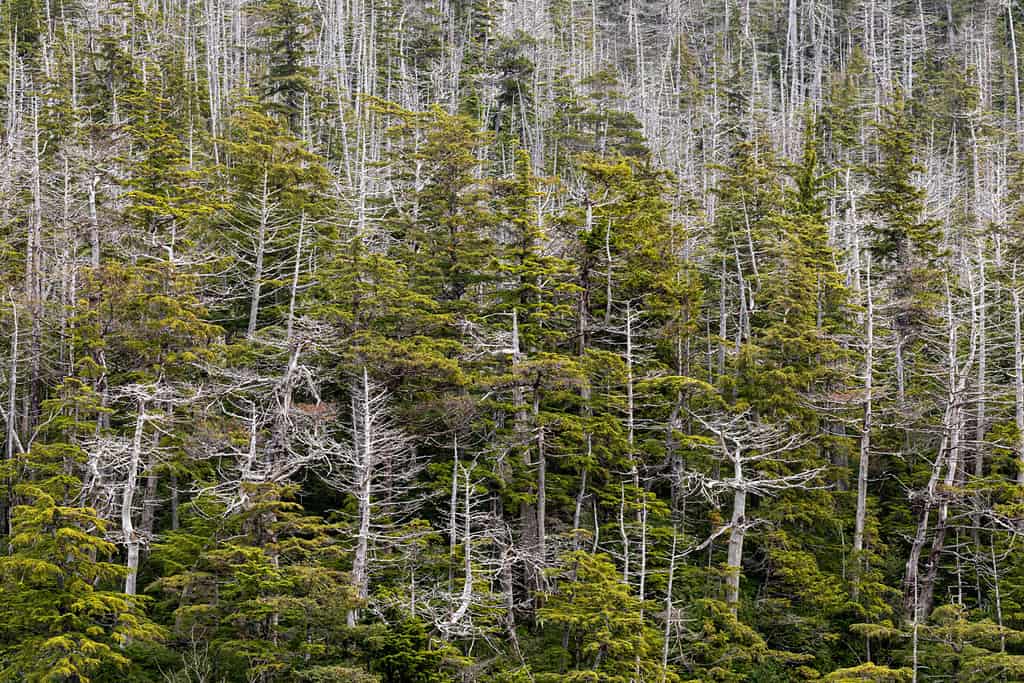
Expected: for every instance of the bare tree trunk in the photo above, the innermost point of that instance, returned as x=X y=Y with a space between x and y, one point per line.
x=453 y=509
x=998 y=598
x=668 y=600
x=542 y=491
x=722 y=320
x=737 y=531
x=364 y=477
x=529 y=514
x=901 y=381
x=508 y=590
x=173 y=482
x=33 y=282
x=980 y=406
x=979 y=415
x=577 y=513
x=94 y=224
x=11 y=417
x=1018 y=381
x=623 y=534
x=295 y=279
x=865 y=437
x=581 y=495
x=149 y=502
x=927 y=587
x=608 y=274
x=630 y=400
x=1016 y=71
x=642 y=588
x=583 y=300
x=131 y=537
x=917 y=595
x=910 y=577
x=261 y=247
x=466 y=598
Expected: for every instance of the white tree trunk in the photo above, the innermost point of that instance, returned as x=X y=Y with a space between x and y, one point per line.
x=94 y=224
x=865 y=437
x=1016 y=70
x=12 y=410
x=1018 y=382
x=668 y=601
x=261 y=248
x=131 y=538
x=466 y=599
x=364 y=483
x=737 y=530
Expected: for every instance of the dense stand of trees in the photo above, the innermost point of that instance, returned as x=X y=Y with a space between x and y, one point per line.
x=545 y=340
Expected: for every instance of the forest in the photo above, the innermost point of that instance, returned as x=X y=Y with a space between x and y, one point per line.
x=511 y=341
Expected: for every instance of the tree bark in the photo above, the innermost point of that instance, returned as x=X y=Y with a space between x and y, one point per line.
x=131 y=537
x=737 y=531
x=1018 y=381
x=865 y=438
x=11 y=417
x=364 y=481
x=261 y=247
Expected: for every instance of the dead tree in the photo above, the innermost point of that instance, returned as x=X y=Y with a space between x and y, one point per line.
x=746 y=444
x=372 y=460
x=117 y=462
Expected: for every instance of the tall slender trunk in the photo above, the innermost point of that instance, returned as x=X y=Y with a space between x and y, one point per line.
x=453 y=510
x=722 y=320
x=917 y=595
x=737 y=531
x=527 y=511
x=173 y=482
x=1018 y=381
x=33 y=283
x=466 y=599
x=583 y=300
x=293 y=296
x=149 y=501
x=542 y=489
x=608 y=274
x=911 y=583
x=642 y=586
x=11 y=416
x=581 y=495
x=865 y=437
x=261 y=248
x=668 y=600
x=365 y=466
x=927 y=589
x=1016 y=72
x=508 y=591
x=980 y=406
x=630 y=401
x=131 y=537
x=94 y=224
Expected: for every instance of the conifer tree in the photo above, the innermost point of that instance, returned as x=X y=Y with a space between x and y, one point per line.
x=441 y=216
x=285 y=28
x=903 y=237
x=63 y=620
x=272 y=217
x=608 y=639
x=270 y=597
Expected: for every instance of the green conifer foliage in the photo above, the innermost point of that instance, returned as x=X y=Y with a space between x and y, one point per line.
x=269 y=597
x=273 y=215
x=608 y=640
x=61 y=619
x=903 y=237
x=285 y=27
x=441 y=214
